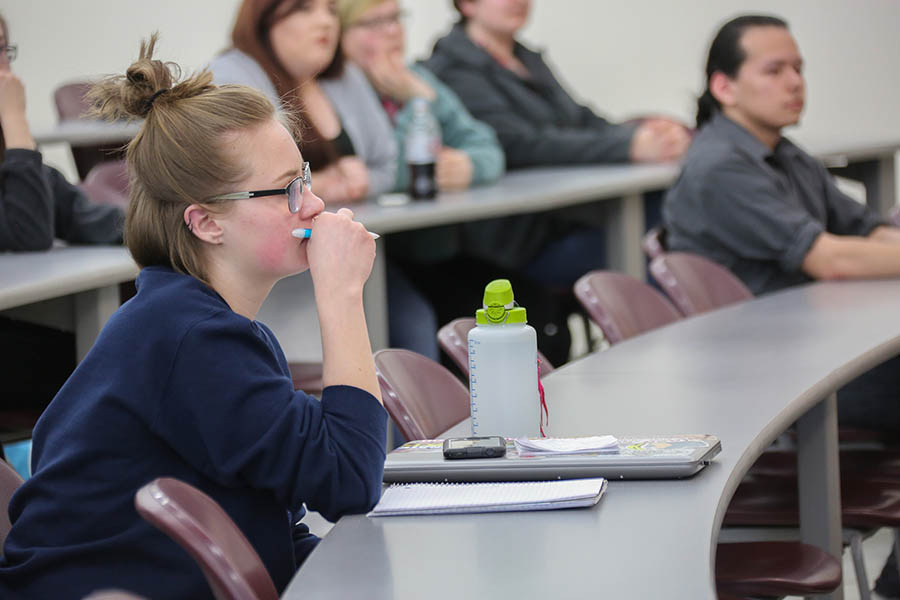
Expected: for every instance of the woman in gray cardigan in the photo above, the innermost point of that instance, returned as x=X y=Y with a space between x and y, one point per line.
x=291 y=53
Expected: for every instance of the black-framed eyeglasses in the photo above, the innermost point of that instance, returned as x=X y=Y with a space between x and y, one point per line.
x=383 y=21
x=10 y=50
x=293 y=191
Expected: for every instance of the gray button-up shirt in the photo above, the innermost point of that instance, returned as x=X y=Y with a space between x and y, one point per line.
x=754 y=210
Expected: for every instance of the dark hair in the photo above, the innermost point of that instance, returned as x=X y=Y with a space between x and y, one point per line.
x=726 y=55
x=254 y=22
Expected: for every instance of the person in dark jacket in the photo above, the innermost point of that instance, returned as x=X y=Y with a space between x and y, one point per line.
x=37 y=204
x=511 y=88
x=183 y=381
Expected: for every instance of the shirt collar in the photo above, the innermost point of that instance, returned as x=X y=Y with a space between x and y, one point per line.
x=742 y=138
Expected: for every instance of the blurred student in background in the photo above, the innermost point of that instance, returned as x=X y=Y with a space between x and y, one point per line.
x=37 y=204
x=205 y=396
x=290 y=50
x=753 y=201
x=510 y=87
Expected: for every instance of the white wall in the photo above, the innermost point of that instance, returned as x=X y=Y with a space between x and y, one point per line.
x=625 y=58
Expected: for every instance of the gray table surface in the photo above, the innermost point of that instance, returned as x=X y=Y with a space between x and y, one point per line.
x=743 y=373
x=80 y=132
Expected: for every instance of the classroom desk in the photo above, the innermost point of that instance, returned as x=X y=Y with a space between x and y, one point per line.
x=70 y=286
x=85 y=132
x=290 y=310
x=872 y=163
x=744 y=373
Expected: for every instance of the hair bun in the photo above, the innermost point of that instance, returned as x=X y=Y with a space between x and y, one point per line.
x=133 y=95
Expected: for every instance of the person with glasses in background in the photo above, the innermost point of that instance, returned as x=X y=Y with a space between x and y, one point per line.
x=204 y=395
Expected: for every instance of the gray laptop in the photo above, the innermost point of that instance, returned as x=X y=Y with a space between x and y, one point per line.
x=659 y=457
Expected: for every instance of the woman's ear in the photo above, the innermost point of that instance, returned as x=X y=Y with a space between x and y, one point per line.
x=202 y=224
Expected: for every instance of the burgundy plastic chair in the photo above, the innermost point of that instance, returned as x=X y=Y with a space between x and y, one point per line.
x=107 y=183
x=453 y=337
x=697 y=285
x=654 y=242
x=71 y=105
x=9 y=483
x=623 y=306
x=807 y=569
x=867 y=503
x=200 y=526
x=423 y=398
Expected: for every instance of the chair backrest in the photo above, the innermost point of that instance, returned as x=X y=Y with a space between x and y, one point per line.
x=453 y=339
x=654 y=242
x=422 y=396
x=200 y=526
x=695 y=284
x=71 y=104
x=9 y=483
x=623 y=306
x=107 y=183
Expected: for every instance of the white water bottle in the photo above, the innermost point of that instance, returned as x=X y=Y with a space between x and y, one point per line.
x=503 y=380
x=422 y=144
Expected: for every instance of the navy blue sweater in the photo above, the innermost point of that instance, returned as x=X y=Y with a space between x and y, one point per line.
x=179 y=385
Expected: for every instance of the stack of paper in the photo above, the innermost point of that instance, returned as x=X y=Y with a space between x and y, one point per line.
x=578 y=445
x=447 y=498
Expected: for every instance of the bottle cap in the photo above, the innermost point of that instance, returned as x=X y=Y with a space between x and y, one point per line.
x=499 y=305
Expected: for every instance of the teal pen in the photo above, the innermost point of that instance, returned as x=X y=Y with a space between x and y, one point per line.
x=304 y=234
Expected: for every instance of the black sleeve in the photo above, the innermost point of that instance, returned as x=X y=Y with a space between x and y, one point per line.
x=26 y=202
x=527 y=143
x=78 y=220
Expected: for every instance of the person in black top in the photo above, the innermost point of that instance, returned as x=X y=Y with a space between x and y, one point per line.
x=37 y=204
x=511 y=88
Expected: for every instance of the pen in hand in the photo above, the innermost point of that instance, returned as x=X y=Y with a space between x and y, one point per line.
x=306 y=233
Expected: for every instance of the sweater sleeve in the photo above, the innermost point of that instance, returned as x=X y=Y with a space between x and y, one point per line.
x=26 y=202
x=365 y=121
x=78 y=220
x=230 y=410
x=458 y=130
x=527 y=143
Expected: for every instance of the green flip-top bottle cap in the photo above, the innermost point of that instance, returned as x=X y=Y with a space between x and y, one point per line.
x=499 y=305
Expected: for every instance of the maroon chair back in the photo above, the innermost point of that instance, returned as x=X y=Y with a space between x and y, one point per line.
x=107 y=183
x=623 y=306
x=654 y=242
x=71 y=104
x=9 y=483
x=453 y=339
x=695 y=284
x=422 y=397
x=200 y=526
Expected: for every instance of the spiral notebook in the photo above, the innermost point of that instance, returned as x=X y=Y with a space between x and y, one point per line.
x=452 y=498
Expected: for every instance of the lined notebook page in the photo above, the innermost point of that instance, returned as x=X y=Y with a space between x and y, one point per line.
x=447 y=498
